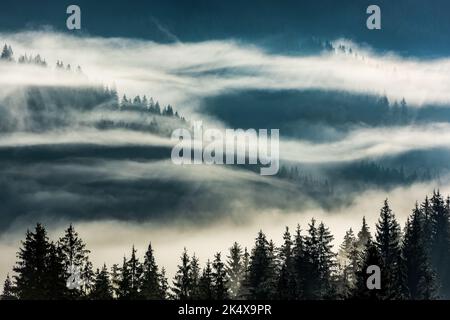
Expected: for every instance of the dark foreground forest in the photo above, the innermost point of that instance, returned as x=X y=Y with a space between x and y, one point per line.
x=414 y=264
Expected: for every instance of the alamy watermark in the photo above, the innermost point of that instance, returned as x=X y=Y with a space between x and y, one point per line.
x=73 y=21
x=374 y=20
x=229 y=146
x=374 y=280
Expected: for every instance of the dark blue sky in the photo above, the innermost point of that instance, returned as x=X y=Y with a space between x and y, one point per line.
x=410 y=27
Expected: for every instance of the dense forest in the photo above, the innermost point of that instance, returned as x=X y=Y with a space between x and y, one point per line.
x=413 y=261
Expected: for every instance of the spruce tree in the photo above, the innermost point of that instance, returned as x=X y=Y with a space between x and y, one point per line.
x=102 y=289
x=244 y=288
x=354 y=261
x=427 y=225
x=206 y=286
x=182 y=281
x=87 y=278
x=151 y=286
x=346 y=246
x=440 y=247
x=7 y=53
x=388 y=243
x=418 y=271
x=286 y=287
x=124 y=282
x=40 y=272
x=300 y=265
x=235 y=270
x=31 y=269
x=8 y=290
x=219 y=276
x=272 y=280
x=56 y=286
x=75 y=255
x=164 y=285
x=363 y=236
x=326 y=261
x=194 y=277
x=349 y=258
x=135 y=273
x=260 y=277
x=312 y=280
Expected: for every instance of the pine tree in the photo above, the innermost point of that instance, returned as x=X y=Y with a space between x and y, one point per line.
x=326 y=261
x=88 y=278
x=151 y=286
x=124 y=283
x=182 y=281
x=440 y=247
x=206 y=286
x=363 y=236
x=40 y=270
x=114 y=97
x=219 y=276
x=346 y=246
x=56 y=274
x=164 y=285
x=272 y=280
x=144 y=102
x=244 y=288
x=286 y=288
x=388 y=244
x=427 y=225
x=135 y=273
x=7 y=53
x=137 y=101
x=8 y=290
x=157 y=108
x=194 y=277
x=102 y=289
x=354 y=261
x=260 y=278
x=74 y=254
x=151 y=105
x=418 y=271
x=31 y=269
x=235 y=270
x=349 y=258
x=125 y=102
x=300 y=264
x=312 y=284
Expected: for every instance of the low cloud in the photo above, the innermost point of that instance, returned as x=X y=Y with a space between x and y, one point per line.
x=369 y=143
x=110 y=240
x=183 y=73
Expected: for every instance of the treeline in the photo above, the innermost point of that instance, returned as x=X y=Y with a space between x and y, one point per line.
x=303 y=113
x=373 y=173
x=49 y=107
x=8 y=55
x=330 y=182
x=413 y=262
x=306 y=181
x=145 y=104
